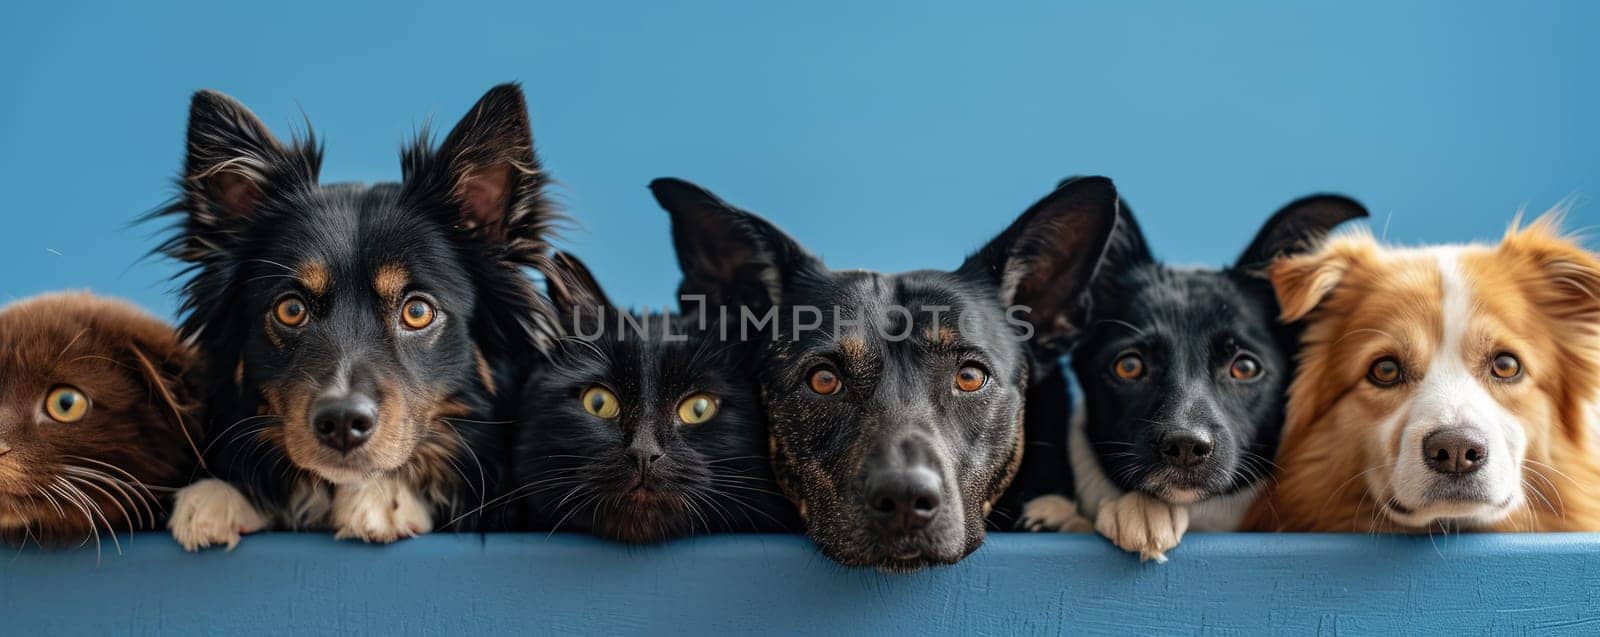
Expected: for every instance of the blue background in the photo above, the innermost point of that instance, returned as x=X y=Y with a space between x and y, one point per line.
x=883 y=135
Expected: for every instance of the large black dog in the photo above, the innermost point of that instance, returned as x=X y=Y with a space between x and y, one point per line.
x=1184 y=372
x=361 y=339
x=895 y=400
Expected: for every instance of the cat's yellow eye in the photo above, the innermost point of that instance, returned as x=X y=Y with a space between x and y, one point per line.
x=417 y=314
x=66 y=404
x=291 y=311
x=697 y=409
x=600 y=402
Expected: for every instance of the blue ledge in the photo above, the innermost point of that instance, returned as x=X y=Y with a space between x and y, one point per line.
x=1017 y=584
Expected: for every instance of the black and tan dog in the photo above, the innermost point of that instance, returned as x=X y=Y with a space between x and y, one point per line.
x=363 y=331
x=895 y=399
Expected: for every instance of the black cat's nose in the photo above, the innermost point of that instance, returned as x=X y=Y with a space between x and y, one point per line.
x=903 y=490
x=1186 y=449
x=344 y=423
x=645 y=452
x=1455 y=451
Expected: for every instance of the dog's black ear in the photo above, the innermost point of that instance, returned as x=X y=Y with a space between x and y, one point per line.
x=1047 y=258
x=1298 y=227
x=232 y=161
x=486 y=168
x=730 y=256
x=573 y=290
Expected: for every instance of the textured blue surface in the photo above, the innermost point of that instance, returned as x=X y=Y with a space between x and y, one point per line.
x=1016 y=584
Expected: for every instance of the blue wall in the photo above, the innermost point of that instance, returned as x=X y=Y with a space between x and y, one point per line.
x=1046 y=584
x=885 y=135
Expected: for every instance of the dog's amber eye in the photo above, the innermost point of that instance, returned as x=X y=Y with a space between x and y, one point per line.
x=1244 y=367
x=599 y=401
x=1129 y=367
x=824 y=381
x=291 y=311
x=66 y=404
x=1385 y=372
x=697 y=409
x=1506 y=367
x=417 y=314
x=971 y=378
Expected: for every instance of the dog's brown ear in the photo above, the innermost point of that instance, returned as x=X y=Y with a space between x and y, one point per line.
x=1303 y=281
x=1298 y=227
x=574 y=291
x=232 y=162
x=1046 y=260
x=487 y=167
x=1564 y=280
x=729 y=256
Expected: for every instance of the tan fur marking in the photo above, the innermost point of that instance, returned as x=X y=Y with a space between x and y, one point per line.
x=314 y=275
x=391 y=281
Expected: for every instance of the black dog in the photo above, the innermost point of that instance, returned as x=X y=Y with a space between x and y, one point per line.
x=358 y=334
x=1184 y=372
x=644 y=427
x=895 y=400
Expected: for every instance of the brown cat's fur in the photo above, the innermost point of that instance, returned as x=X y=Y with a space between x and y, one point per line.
x=66 y=482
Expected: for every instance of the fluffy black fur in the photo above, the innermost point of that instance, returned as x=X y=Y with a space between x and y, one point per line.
x=1196 y=412
x=896 y=465
x=458 y=232
x=644 y=474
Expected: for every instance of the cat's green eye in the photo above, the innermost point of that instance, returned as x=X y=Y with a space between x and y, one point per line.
x=600 y=402
x=697 y=409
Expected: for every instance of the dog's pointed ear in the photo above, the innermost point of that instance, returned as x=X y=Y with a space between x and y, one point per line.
x=729 y=256
x=1298 y=227
x=232 y=161
x=487 y=168
x=1047 y=258
x=1564 y=280
x=573 y=290
x=1304 y=281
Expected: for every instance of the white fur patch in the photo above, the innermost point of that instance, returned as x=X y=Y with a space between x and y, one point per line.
x=1053 y=513
x=381 y=510
x=1138 y=523
x=212 y=513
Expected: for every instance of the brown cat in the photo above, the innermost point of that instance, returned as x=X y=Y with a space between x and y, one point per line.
x=97 y=418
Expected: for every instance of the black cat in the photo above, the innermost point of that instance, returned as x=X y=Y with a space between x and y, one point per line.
x=645 y=427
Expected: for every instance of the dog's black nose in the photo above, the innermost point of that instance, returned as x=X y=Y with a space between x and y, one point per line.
x=1455 y=451
x=344 y=423
x=904 y=500
x=1186 y=449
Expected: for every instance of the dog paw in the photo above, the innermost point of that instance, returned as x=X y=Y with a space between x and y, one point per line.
x=1053 y=513
x=212 y=513
x=379 y=511
x=1138 y=523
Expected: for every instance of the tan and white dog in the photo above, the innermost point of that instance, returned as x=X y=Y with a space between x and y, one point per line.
x=1441 y=388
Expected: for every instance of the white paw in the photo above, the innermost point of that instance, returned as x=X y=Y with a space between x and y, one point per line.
x=212 y=513
x=1138 y=523
x=1053 y=513
x=382 y=510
